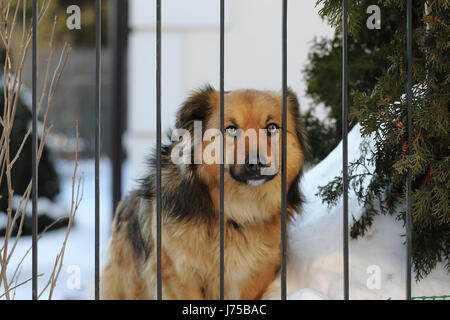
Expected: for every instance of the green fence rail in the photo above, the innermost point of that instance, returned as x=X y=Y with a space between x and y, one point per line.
x=444 y=297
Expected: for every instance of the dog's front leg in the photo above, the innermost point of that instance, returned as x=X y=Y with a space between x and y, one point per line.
x=189 y=291
x=183 y=287
x=273 y=291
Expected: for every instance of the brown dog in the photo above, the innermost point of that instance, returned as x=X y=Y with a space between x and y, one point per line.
x=190 y=204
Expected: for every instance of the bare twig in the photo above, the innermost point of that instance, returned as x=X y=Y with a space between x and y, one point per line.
x=76 y=200
x=12 y=84
x=20 y=284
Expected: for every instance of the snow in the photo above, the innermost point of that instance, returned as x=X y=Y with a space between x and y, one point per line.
x=54 y=210
x=75 y=281
x=315 y=240
x=307 y=294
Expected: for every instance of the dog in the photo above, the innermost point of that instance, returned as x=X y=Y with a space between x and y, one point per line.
x=190 y=201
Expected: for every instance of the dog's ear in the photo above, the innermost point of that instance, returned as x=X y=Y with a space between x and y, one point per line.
x=294 y=107
x=294 y=196
x=292 y=98
x=197 y=108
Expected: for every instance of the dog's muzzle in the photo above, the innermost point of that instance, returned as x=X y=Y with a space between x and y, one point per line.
x=253 y=173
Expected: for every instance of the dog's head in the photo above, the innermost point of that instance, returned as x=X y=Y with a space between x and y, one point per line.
x=252 y=143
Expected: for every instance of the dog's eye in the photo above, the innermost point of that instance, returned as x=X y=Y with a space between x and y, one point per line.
x=231 y=130
x=272 y=129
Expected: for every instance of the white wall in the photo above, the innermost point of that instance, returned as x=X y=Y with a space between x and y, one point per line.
x=190 y=56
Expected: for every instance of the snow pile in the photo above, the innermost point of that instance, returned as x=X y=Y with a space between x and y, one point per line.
x=377 y=261
x=307 y=294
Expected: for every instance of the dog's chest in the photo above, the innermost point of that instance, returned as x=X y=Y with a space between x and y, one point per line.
x=250 y=257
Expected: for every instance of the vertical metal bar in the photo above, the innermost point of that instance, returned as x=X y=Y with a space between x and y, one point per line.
x=98 y=44
x=408 y=175
x=34 y=226
x=158 y=150
x=119 y=44
x=222 y=146
x=345 y=146
x=284 y=154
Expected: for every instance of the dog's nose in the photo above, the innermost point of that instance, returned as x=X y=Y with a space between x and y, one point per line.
x=253 y=165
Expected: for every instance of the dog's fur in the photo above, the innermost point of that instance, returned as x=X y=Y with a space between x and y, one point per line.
x=190 y=212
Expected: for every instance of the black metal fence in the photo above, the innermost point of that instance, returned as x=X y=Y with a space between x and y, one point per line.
x=284 y=151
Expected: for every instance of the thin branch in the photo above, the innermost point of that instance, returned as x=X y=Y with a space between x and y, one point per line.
x=20 y=284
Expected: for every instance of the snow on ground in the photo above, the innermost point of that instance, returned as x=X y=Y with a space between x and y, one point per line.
x=315 y=261
x=316 y=244
x=75 y=281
